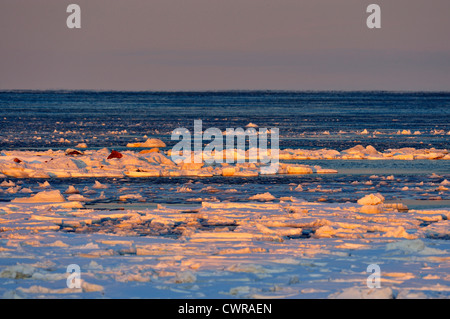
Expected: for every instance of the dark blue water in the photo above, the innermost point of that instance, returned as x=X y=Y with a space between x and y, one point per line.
x=59 y=119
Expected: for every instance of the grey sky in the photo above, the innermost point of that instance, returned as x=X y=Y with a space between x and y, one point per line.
x=225 y=44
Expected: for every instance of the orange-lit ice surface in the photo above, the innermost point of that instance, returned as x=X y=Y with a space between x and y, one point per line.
x=224 y=239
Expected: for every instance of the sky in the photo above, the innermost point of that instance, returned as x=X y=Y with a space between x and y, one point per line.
x=180 y=45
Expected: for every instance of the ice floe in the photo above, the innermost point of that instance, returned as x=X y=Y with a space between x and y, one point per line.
x=42 y=197
x=105 y=163
x=372 y=199
x=96 y=163
x=293 y=247
x=151 y=142
x=368 y=152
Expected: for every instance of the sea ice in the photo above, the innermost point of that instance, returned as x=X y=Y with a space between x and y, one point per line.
x=71 y=190
x=372 y=199
x=98 y=185
x=8 y=184
x=42 y=197
x=45 y=184
x=77 y=198
x=364 y=293
x=151 y=142
x=262 y=197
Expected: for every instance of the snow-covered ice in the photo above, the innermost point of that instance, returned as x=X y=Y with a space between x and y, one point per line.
x=220 y=241
x=290 y=248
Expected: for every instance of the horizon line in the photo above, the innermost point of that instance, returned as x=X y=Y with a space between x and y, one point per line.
x=227 y=90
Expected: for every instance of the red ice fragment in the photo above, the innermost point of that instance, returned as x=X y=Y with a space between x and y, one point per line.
x=115 y=154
